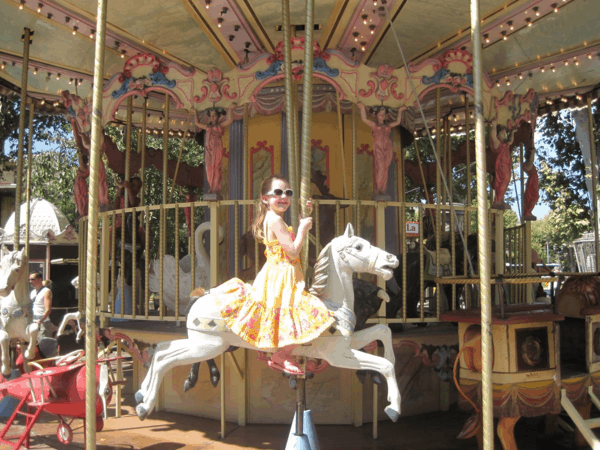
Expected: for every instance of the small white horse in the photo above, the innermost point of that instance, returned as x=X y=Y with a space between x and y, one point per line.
x=15 y=307
x=208 y=336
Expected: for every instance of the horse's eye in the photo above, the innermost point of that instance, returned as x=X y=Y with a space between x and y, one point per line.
x=358 y=247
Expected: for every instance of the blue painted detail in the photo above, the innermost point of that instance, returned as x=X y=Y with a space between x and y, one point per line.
x=436 y=78
x=270 y=72
x=157 y=78
x=469 y=78
x=319 y=65
x=139 y=397
x=443 y=73
x=71 y=111
x=123 y=89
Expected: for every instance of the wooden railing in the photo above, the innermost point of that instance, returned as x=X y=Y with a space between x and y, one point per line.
x=162 y=231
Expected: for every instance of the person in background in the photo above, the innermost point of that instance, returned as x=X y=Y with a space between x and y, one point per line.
x=41 y=297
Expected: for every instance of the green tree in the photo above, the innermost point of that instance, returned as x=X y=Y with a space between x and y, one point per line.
x=192 y=154
x=46 y=126
x=563 y=186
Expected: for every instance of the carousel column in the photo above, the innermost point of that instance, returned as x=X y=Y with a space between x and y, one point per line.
x=467 y=214
x=28 y=193
x=300 y=439
x=289 y=107
x=438 y=194
x=92 y=231
x=125 y=303
x=25 y=72
x=236 y=188
x=484 y=247
x=357 y=386
x=145 y=294
x=163 y=219
x=595 y=183
x=584 y=132
x=354 y=161
x=595 y=179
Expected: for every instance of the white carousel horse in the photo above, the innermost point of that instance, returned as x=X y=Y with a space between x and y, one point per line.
x=208 y=337
x=15 y=307
x=170 y=266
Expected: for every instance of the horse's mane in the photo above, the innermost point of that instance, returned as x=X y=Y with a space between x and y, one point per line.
x=321 y=272
x=587 y=286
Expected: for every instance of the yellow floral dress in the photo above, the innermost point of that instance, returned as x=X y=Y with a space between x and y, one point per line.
x=276 y=310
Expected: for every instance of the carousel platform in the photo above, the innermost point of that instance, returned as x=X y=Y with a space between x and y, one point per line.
x=172 y=431
x=423 y=368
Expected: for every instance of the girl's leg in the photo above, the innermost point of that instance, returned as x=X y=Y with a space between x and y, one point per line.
x=283 y=360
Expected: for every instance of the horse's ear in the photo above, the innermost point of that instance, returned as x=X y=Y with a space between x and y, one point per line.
x=349 y=230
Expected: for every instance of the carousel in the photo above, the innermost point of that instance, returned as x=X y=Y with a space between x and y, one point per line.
x=402 y=120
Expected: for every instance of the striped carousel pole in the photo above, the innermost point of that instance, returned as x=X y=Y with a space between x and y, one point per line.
x=484 y=247
x=92 y=231
x=299 y=437
x=289 y=107
x=25 y=72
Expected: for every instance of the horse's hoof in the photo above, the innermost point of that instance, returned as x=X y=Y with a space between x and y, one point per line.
x=361 y=375
x=139 y=397
x=141 y=412
x=376 y=378
x=391 y=412
x=187 y=385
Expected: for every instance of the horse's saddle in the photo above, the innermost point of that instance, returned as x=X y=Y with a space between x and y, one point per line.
x=445 y=263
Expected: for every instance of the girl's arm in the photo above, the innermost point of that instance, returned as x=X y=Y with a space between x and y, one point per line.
x=131 y=198
x=82 y=164
x=229 y=117
x=398 y=119
x=493 y=134
x=292 y=247
x=511 y=137
x=363 y=115
x=198 y=123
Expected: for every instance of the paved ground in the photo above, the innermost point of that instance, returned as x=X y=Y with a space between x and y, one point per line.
x=169 y=431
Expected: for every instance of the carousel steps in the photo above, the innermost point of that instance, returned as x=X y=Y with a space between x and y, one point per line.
x=585 y=426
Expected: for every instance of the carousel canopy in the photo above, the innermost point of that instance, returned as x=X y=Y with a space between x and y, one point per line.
x=47 y=225
x=550 y=46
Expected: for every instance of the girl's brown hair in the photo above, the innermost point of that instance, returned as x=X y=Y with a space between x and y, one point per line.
x=257 y=227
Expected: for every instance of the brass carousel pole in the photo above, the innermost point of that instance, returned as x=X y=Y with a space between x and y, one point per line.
x=24 y=73
x=484 y=247
x=142 y=147
x=305 y=180
x=92 y=231
x=595 y=182
x=307 y=89
x=28 y=194
x=354 y=162
x=289 y=107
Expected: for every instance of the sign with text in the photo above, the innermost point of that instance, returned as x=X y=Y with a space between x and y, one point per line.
x=412 y=229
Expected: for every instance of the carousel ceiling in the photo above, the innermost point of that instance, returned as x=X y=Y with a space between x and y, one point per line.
x=552 y=46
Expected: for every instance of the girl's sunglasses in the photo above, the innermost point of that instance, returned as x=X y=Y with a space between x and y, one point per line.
x=279 y=192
